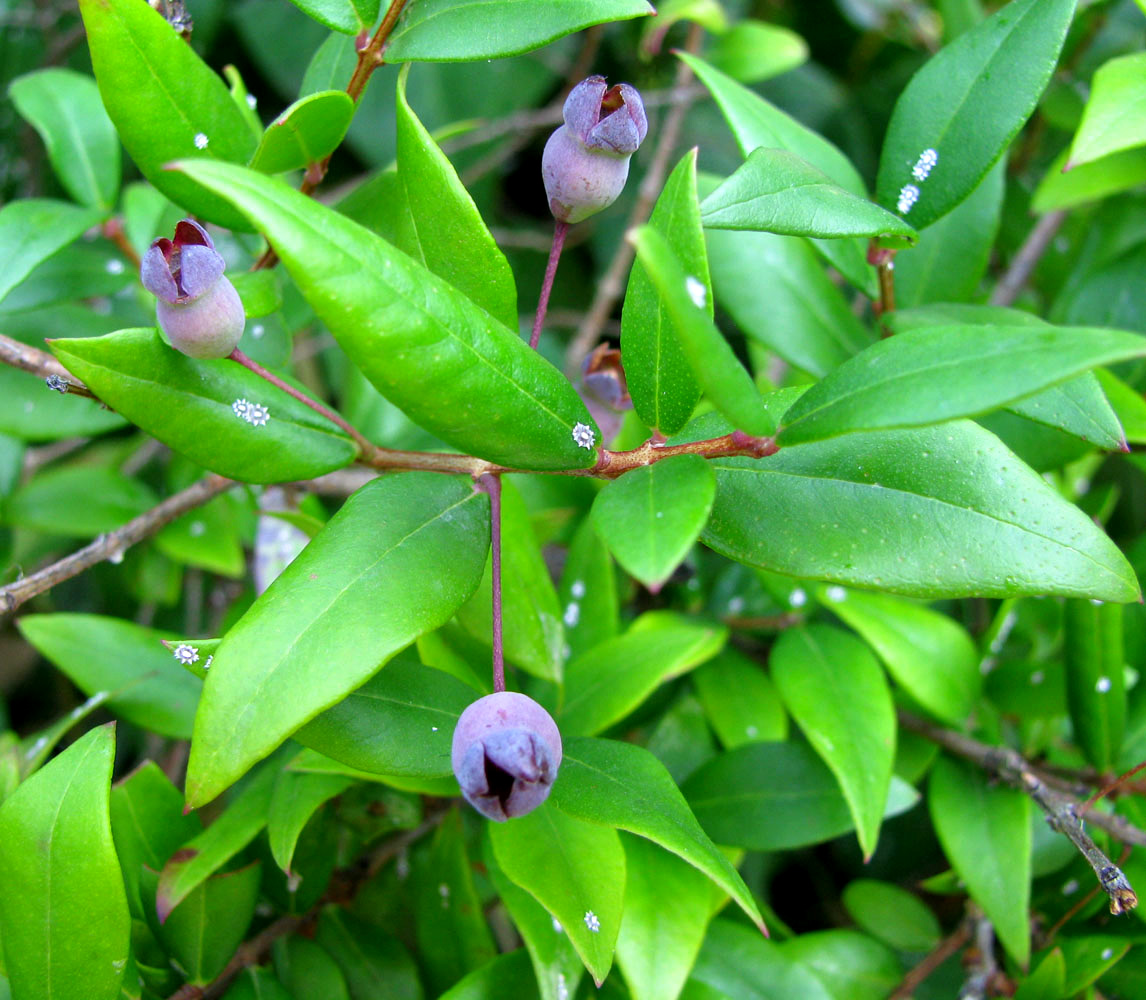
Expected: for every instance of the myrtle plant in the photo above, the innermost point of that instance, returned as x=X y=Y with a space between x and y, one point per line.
x=756 y=618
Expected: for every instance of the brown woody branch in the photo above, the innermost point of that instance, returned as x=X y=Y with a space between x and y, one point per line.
x=41 y=363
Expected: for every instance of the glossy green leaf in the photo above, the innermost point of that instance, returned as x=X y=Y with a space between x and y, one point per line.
x=348 y=16
x=576 y=870
x=738 y=962
x=412 y=543
x=307 y=969
x=208 y=538
x=79 y=501
x=452 y=30
x=446 y=362
x=892 y=914
x=1115 y=115
x=204 y=930
x=966 y=105
x=296 y=798
x=777 y=192
x=1079 y=407
x=531 y=617
x=63 y=914
x=660 y=378
x=774 y=796
x=254 y=983
x=32 y=230
x=751 y=51
x=651 y=517
x=605 y=684
x=1089 y=957
x=851 y=965
x=1047 y=982
x=166 y=102
x=588 y=585
x=1096 y=691
x=65 y=108
x=797 y=312
x=929 y=654
x=739 y=699
x=667 y=909
x=1128 y=405
x=623 y=785
x=241 y=821
x=984 y=829
x=714 y=364
x=966 y=516
x=108 y=654
x=922 y=376
x=510 y=974
x=313 y=762
x=189 y=405
x=374 y=963
x=305 y=133
x=839 y=697
x=438 y=223
x=1089 y=181
x=400 y=722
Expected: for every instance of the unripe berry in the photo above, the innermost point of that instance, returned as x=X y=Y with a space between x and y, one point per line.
x=505 y=754
x=199 y=312
x=586 y=161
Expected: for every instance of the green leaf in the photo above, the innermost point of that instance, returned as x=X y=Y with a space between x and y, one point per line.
x=296 y=798
x=204 y=930
x=305 y=133
x=1115 y=111
x=775 y=796
x=576 y=870
x=207 y=537
x=36 y=748
x=1128 y=405
x=1079 y=407
x=1047 y=982
x=738 y=962
x=838 y=695
x=1089 y=181
x=462 y=30
x=588 y=585
x=256 y=984
x=739 y=700
x=307 y=969
x=892 y=914
x=188 y=405
x=242 y=819
x=374 y=963
x=777 y=192
x=966 y=517
x=966 y=105
x=438 y=223
x=166 y=102
x=1096 y=691
x=929 y=654
x=667 y=909
x=1089 y=957
x=63 y=914
x=660 y=378
x=922 y=376
x=412 y=543
x=30 y=413
x=751 y=51
x=531 y=617
x=400 y=722
x=851 y=965
x=605 y=684
x=985 y=832
x=506 y=975
x=65 y=108
x=79 y=501
x=623 y=785
x=32 y=230
x=348 y=16
x=715 y=366
x=454 y=369
x=651 y=517
x=107 y=654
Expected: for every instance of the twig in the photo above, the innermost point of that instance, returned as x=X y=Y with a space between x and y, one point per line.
x=492 y=485
x=112 y=544
x=559 y=231
x=113 y=230
x=1027 y=259
x=1062 y=811
x=612 y=284
x=37 y=362
x=935 y=958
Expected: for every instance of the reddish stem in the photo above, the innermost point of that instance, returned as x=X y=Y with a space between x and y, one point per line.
x=559 y=232
x=491 y=484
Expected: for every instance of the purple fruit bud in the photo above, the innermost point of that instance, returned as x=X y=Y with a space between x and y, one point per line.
x=586 y=161
x=199 y=311
x=505 y=754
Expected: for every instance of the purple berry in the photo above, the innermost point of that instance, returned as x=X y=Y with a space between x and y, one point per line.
x=505 y=754
x=199 y=311
x=586 y=161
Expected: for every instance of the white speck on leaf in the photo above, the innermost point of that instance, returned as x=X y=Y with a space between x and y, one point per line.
x=696 y=291
x=592 y=922
x=1103 y=685
x=837 y=594
x=925 y=164
x=1070 y=888
x=186 y=653
x=114 y=266
x=258 y=330
x=572 y=614
x=578 y=589
x=583 y=435
x=557 y=926
x=908 y=196
x=201 y=140
x=1037 y=678
x=798 y=598
x=252 y=101
x=197 y=529
x=207 y=665
x=1107 y=954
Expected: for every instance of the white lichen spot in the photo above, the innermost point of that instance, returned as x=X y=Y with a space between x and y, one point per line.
x=578 y=589
x=1070 y=888
x=252 y=101
x=1037 y=678
x=798 y=598
x=925 y=164
x=186 y=653
x=1107 y=954
x=201 y=140
x=1102 y=685
x=258 y=330
x=696 y=291
x=908 y=196
x=592 y=922
x=114 y=266
x=572 y=614
x=836 y=594
x=197 y=529
x=557 y=928
x=583 y=435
